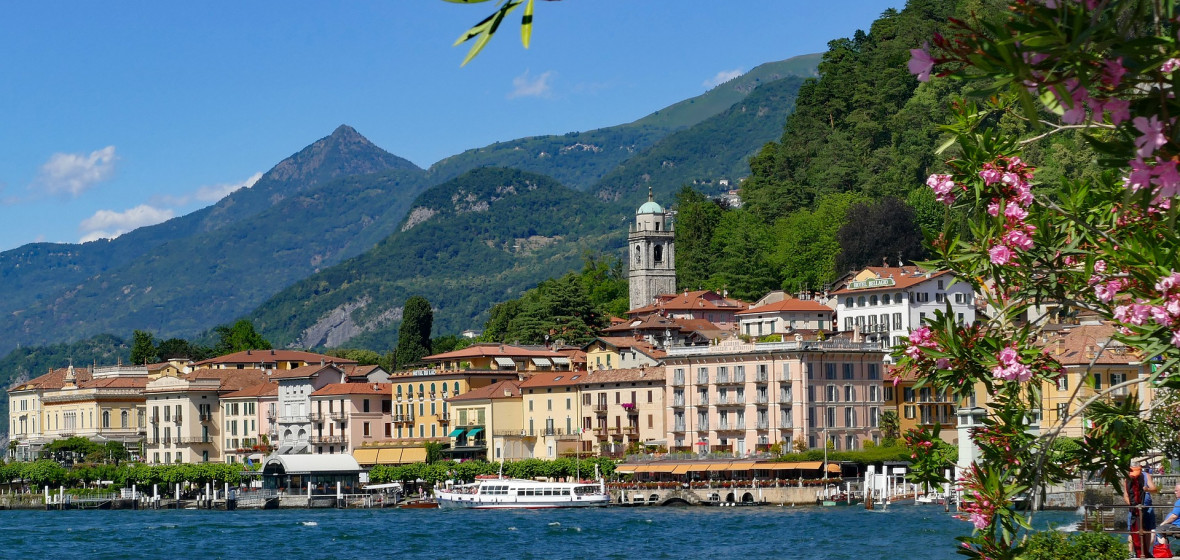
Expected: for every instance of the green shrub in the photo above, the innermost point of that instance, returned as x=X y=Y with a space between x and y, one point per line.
x=1056 y=545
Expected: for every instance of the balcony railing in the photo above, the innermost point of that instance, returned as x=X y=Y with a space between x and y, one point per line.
x=337 y=415
x=631 y=431
x=155 y=419
x=444 y=418
x=702 y=400
x=763 y=425
x=677 y=381
x=702 y=426
x=761 y=377
x=600 y=408
x=762 y=399
x=601 y=432
x=678 y=428
x=326 y=439
x=316 y=416
x=206 y=416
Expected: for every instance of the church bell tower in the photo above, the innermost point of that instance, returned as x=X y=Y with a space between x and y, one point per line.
x=652 y=262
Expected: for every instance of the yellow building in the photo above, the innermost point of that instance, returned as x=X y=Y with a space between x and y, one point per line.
x=104 y=404
x=1076 y=347
x=421 y=412
x=921 y=407
x=491 y=413
x=621 y=352
x=552 y=413
x=498 y=357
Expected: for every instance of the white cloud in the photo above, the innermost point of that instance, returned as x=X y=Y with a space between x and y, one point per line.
x=207 y=193
x=722 y=77
x=524 y=86
x=110 y=224
x=74 y=173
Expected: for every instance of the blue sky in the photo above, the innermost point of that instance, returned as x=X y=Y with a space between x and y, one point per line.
x=118 y=115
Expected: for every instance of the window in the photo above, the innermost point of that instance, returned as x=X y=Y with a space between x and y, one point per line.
x=848 y=302
x=874 y=393
x=106 y=419
x=364 y=404
x=849 y=393
x=829 y=371
x=1097 y=380
x=811 y=393
x=860 y=301
x=1062 y=410
x=833 y=395
x=888 y=394
x=873 y=300
x=909 y=411
x=848 y=371
x=940 y=297
x=810 y=370
x=897 y=321
x=831 y=417
x=848 y=323
x=849 y=417
x=885 y=299
x=874 y=371
x=874 y=417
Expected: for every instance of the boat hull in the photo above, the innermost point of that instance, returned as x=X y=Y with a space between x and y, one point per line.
x=474 y=502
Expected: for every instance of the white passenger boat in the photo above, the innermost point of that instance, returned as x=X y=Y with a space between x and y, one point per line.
x=515 y=493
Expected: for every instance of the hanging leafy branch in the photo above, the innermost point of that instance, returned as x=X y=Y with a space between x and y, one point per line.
x=482 y=32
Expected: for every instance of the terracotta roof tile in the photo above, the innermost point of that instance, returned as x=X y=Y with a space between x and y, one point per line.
x=271 y=356
x=552 y=379
x=303 y=371
x=493 y=391
x=267 y=389
x=620 y=375
x=491 y=350
x=701 y=300
x=385 y=389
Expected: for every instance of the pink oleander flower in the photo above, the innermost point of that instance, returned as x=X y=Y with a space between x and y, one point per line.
x=943 y=186
x=1024 y=195
x=1000 y=255
x=1161 y=316
x=921 y=63
x=1015 y=213
x=1019 y=238
x=993 y=208
x=1118 y=109
x=1140 y=175
x=1170 y=65
x=1008 y=356
x=1100 y=266
x=1152 y=135
x=990 y=174
x=1176 y=339
x=1107 y=292
x=1168 y=283
x=1113 y=71
x=1167 y=178
x=1173 y=305
x=942 y=363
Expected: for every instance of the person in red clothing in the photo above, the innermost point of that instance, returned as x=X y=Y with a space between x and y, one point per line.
x=1141 y=516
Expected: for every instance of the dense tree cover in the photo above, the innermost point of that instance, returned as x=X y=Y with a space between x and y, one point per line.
x=413 y=337
x=238 y=337
x=876 y=231
x=741 y=247
x=572 y=308
x=50 y=473
x=697 y=217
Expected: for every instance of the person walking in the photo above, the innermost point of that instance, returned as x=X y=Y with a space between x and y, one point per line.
x=1140 y=516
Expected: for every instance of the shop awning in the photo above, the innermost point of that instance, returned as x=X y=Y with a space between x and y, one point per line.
x=413 y=455
x=777 y=466
x=662 y=467
x=505 y=362
x=365 y=456
x=542 y=362
x=742 y=466
x=699 y=467
x=625 y=469
x=474 y=431
x=810 y=465
x=390 y=456
x=681 y=469
x=718 y=467
x=456 y=432
x=833 y=467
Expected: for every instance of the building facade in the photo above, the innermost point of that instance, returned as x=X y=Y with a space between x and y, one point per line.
x=621 y=407
x=886 y=303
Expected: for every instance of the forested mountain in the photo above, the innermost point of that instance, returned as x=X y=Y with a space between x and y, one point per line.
x=329 y=201
x=480 y=238
x=582 y=159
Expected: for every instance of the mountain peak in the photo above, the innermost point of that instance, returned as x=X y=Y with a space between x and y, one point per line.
x=344 y=152
x=347 y=133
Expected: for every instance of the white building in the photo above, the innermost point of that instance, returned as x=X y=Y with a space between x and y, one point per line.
x=295 y=389
x=886 y=303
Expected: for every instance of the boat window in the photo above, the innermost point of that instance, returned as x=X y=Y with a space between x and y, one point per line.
x=565 y=491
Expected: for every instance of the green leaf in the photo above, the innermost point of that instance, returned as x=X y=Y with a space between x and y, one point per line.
x=526 y=24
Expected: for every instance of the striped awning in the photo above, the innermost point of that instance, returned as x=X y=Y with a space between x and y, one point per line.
x=505 y=362
x=563 y=361
x=542 y=362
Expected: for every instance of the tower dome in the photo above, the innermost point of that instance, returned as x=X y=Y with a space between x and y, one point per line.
x=651 y=206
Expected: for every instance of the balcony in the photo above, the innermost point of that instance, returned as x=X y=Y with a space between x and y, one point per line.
x=327 y=439
x=678 y=428
x=155 y=419
x=731 y=379
x=631 y=431
x=316 y=416
x=763 y=426
x=206 y=416
x=444 y=418
x=730 y=402
x=702 y=400
x=630 y=410
x=761 y=377
x=600 y=408
x=762 y=399
x=178 y=419
x=337 y=415
x=702 y=426
x=601 y=432
x=677 y=381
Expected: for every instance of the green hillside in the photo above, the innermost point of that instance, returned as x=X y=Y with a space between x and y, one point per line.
x=478 y=239
x=581 y=159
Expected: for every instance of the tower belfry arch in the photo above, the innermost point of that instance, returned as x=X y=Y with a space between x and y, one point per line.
x=651 y=262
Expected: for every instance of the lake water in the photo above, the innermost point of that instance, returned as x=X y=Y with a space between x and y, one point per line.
x=911 y=532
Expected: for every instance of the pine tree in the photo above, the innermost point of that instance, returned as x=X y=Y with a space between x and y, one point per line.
x=413 y=337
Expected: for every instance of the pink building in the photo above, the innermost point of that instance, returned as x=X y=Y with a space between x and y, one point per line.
x=744 y=397
x=346 y=416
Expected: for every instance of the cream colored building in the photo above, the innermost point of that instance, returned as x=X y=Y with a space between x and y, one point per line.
x=346 y=416
x=622 y=406
x=187 y=421
x=552 y=409
x=488 y=424
x=253 y=412
x=621 y=352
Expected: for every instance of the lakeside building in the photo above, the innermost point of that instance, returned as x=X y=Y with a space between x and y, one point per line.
x=739 y=397
x=785 y=316
x=490 y=413
x=354 y=414
x=1094 y=362
x=664 y=332
x=882 y=303
x=924 y=407
x=620 y=407
x=186 y=417
x=294 y=404
x=255 y=410
x=621 y=352
x=717 y=308
x=269 y=360
x=102 y=404
x=552 y=412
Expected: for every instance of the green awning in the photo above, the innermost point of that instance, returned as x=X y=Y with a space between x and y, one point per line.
x=474 y=431
x=456 y=432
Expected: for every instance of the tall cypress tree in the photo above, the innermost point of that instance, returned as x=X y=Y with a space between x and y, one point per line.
x=413 y=337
